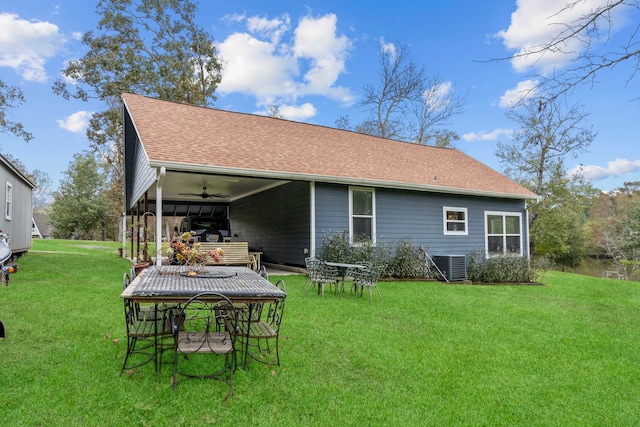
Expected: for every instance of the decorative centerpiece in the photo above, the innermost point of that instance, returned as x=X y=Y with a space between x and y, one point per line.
x=185 y=252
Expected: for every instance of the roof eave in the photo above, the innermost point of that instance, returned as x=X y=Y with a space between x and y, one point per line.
x=182 y=167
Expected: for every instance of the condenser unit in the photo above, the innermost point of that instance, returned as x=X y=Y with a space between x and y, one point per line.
x=454 y=267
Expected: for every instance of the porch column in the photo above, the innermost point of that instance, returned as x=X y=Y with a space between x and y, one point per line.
x=161 y=175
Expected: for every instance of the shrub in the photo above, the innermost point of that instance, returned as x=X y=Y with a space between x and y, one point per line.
x=403 y=261
x=503 y=269
x=409 y=262
x=335 y=247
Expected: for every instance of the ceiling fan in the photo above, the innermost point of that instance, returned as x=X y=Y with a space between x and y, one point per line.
x=205 y=195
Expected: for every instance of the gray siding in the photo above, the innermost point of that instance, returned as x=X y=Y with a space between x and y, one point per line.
x=276 y=221
x=145 y=176
x=416 y=216
x=19 y=226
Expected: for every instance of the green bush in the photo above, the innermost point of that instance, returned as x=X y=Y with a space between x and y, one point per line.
x=335 y=247
x=503 y=269
x=401 y=261
x=409 y=262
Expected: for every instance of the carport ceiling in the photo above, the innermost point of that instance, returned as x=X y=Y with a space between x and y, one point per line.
x=189 y=186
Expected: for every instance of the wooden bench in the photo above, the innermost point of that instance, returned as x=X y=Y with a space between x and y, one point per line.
x=235 y=253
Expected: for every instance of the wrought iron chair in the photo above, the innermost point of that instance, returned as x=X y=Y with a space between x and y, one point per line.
x=144 y=334
x=367 y=278
x=321 y=274
x=255 y=311
x=262 y=331
x=204 y=326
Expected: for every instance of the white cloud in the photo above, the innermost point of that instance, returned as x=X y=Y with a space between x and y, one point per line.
x=271 y=28
x=317 y=41
x=617 y=167
x=25 y=46
x=487 y=136
x=253 y=67
x=524 y=89
x=233 y=18
x=537 y=22
x=263 y=63
x=76 y=122
x=297 y=112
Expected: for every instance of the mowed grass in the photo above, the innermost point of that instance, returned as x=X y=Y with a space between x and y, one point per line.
x=563 y=354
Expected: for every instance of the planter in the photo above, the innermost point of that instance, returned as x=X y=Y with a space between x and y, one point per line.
x=139 y=267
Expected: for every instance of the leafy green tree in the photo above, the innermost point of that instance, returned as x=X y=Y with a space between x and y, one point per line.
x=80 y=206
x=615 y=227
x=147 y=47
x=535 y=156
x=560 y=231
x=11 y=97
x=41 y=195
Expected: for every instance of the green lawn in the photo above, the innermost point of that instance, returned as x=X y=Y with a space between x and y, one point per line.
x=564 y=354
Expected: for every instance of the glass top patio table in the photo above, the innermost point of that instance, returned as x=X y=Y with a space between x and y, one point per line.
x=344 y=265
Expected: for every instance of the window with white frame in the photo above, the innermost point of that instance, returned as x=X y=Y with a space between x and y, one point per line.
x=455 y=220
x=8 y=201
x=362 y=213
x=504 y=233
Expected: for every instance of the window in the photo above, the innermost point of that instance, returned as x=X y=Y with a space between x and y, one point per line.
x=504 y=235
x=455 y=220
x=362 y=208
x=8 y=201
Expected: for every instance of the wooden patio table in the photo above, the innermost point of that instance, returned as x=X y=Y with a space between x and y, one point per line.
x=171 y=284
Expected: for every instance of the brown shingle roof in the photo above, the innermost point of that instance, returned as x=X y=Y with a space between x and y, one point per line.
x=191 y=136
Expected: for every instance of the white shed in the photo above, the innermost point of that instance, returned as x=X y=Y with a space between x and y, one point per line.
x=16 y=219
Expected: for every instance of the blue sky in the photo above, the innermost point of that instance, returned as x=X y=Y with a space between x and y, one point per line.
x=312 y=58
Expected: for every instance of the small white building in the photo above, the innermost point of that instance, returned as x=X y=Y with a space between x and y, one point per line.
x=16 y=219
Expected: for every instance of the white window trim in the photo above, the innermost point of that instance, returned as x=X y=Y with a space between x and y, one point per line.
x=373 y=208
x=504 y=227
x=8 y=204
x=445 y=221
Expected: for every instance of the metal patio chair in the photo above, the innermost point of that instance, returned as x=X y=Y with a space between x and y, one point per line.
x=144 y=334
x=367 y=278
x=321 y=274
x=258 y=333
x=202 y=327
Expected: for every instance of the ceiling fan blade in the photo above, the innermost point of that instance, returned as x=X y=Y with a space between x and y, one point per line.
x=205 y=195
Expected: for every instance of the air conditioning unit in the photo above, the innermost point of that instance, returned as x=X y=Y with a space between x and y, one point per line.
x=454 y=267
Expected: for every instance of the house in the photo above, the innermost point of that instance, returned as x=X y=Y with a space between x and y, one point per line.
x=42 y=227
x=16 y=218
x=286 y=184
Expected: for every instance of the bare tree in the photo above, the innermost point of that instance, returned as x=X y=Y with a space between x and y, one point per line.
x=405 y=103
x=273 y=110
x=435 y=107
x=593 y=33
x=547 y=134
